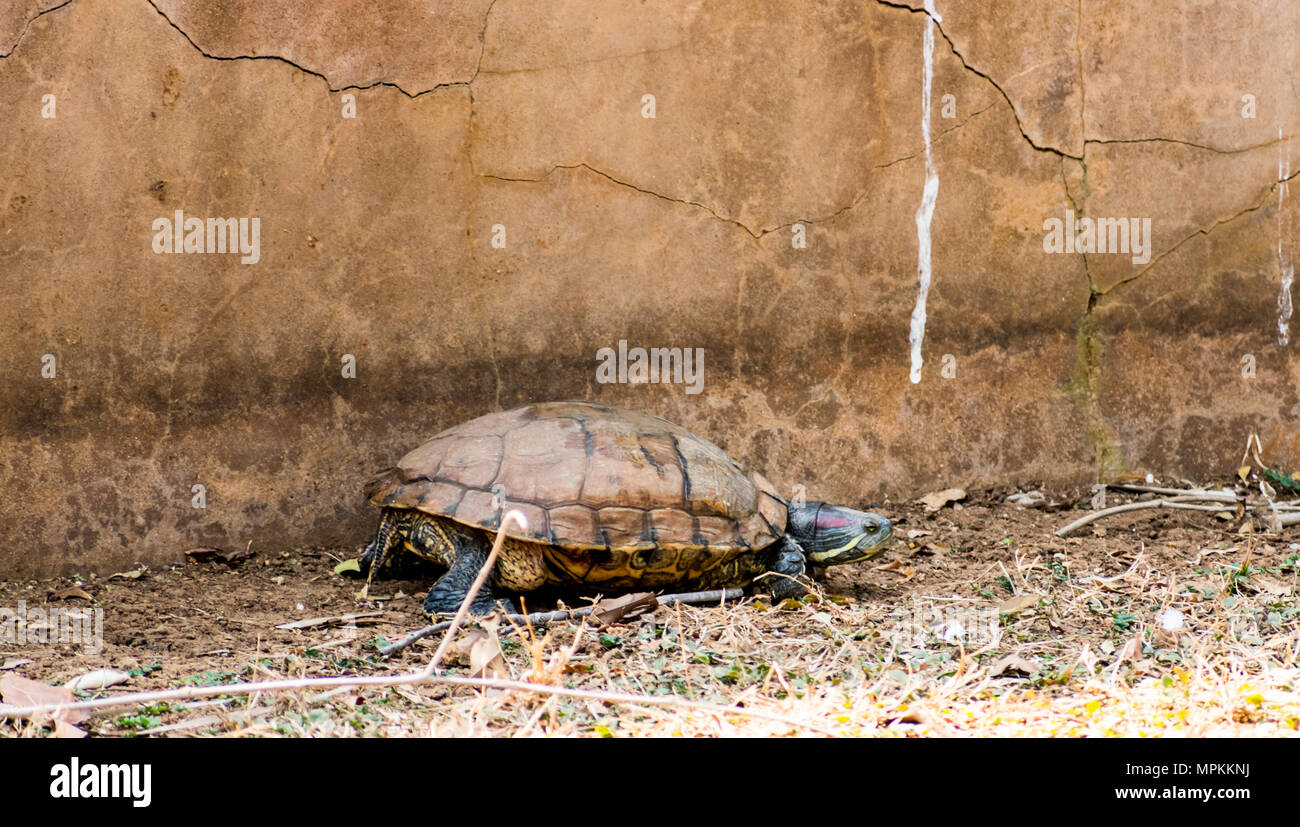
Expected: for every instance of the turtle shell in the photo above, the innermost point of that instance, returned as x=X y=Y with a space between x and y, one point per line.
x=587 y=476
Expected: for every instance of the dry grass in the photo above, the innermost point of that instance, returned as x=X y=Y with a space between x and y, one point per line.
x=1033 y=643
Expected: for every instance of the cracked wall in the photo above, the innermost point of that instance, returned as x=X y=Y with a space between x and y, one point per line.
x=377 y=231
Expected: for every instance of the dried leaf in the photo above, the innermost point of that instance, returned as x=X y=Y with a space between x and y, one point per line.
x=236 y=556
x=134 y=574
x=938 y=499
x=917 y=715
x=63 y=729
x=1271 y=586
x=98 y=679
x=1132 y=650
x=613 y=609
x=353 y=565
x=485 y=659
x=73 y=591
x=16 y=690
x=1014 y=663
x=209 y=554
x=1243 y=472
x=897 y=567
x=14 y=664
x=1130 y=477
x=1019 y=603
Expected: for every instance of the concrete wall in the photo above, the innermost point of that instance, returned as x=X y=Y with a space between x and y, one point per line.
x=681 y=230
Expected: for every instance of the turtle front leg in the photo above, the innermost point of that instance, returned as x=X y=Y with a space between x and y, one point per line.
x=788 y=572
x=471 y=552
x=386 y=538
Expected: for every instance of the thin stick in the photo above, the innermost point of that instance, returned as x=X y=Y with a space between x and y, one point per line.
x=398 y=680
x=1222 y=496
x=1170 y=502
x=1092 y=578
x=424 y=675
x=543 y=618
x=325 y=621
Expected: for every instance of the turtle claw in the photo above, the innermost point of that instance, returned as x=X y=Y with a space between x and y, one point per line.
x=784 y=587
x=448 y=604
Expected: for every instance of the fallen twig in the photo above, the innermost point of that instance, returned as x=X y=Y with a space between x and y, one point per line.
x=1199 y=493
x=543 y=618
x=1093 y=578
x=1167 y=502
x=425 y=675
x=399 y=680
x=512 y=515
x=208 y=721
x=325 y=621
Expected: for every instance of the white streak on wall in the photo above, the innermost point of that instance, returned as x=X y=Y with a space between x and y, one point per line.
x=925 y=213
x=1285 y=265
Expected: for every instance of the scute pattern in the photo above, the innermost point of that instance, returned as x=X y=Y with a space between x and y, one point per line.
x=615 y=494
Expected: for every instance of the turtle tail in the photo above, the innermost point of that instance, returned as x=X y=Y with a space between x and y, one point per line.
x=381 y=546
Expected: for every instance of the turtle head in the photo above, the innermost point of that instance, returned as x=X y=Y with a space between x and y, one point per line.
x=834 y=534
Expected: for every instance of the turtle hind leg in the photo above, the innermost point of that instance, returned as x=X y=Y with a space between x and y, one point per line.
x=788 y=571
x=471 y=552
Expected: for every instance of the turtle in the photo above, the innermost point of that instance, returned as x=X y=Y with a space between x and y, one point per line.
x=614 y=499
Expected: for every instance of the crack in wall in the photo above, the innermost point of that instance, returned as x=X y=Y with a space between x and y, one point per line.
x=631 y=186
x=1083 y=385
x=28 y=25
x=755 y=234
x=328 y=83
x=1264 y=198
x=1083 y=85
x=468 y=84
x=1085 y=139
x=960 y=57
x=1192 y=144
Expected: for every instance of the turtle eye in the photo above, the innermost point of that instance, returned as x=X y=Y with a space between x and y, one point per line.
x=871 y=528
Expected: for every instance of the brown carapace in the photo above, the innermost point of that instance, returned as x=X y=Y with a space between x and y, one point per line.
x=614 y=500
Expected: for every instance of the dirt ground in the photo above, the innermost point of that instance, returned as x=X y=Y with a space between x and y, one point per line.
x=977 y=621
